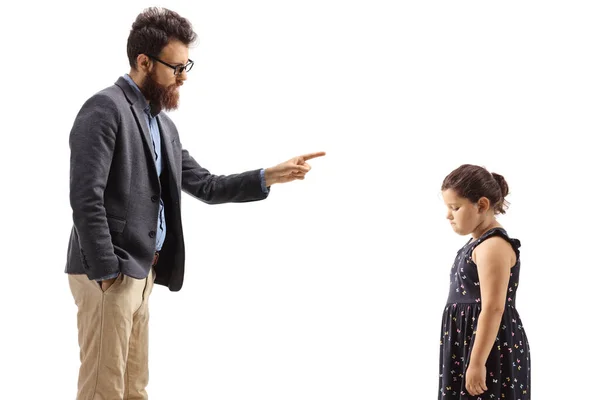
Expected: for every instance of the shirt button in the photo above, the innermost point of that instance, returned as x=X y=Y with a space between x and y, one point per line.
x=152 y=234
x=154 y=199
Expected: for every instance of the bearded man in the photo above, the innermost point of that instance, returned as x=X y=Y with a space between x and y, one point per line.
x=127 y=171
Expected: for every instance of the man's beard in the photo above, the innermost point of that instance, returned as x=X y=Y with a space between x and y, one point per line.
x=160 y=97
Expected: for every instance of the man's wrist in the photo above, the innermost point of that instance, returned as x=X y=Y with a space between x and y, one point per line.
x=107 y=277
x=268 y=176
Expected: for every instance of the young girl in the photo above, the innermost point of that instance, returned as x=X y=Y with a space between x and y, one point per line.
x=484 y=352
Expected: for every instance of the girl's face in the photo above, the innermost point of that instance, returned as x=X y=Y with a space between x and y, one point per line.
x=464 y=216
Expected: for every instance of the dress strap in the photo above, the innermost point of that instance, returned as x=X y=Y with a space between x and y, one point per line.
x=515 y=243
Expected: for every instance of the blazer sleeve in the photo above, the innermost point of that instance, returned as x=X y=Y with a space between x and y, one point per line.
x=92 y=143
x=217 y=189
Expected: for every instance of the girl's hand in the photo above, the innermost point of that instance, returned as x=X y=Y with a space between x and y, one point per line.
x=475 y=379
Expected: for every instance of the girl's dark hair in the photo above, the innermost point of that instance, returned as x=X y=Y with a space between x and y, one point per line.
x=153 y=29
x=474 y=182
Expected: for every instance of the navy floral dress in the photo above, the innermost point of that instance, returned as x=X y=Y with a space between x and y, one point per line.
x=508 y=371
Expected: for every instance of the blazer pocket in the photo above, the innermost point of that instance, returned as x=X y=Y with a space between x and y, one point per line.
x=116 y=224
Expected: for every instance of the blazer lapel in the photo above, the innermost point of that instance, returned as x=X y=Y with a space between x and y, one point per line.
x=143 y=125
x=168 y=145
x=138 y=103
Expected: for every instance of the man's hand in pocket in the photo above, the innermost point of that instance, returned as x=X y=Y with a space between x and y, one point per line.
x=107 y=283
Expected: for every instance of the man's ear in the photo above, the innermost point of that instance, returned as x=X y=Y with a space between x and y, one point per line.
x=144 y=63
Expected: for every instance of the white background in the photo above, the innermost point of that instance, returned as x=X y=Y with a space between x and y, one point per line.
x=333 y=287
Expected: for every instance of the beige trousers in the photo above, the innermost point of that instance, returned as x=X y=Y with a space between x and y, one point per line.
x=113 y=337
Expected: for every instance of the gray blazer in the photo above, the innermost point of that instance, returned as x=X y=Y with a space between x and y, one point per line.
x=114 y=189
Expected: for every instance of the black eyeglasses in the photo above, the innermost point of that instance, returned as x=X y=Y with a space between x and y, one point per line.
x=177 y=69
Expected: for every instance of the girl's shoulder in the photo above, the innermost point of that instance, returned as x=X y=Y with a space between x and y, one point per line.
x=497 y=240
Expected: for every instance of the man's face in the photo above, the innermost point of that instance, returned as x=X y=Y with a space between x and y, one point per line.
x=160 y=84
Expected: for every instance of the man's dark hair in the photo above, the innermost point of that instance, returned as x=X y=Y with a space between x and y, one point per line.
x=153 y=29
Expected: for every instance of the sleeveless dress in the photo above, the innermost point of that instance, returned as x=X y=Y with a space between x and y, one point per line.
x=508 y=372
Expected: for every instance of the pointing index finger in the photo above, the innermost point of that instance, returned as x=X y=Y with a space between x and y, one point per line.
x=310 y=156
